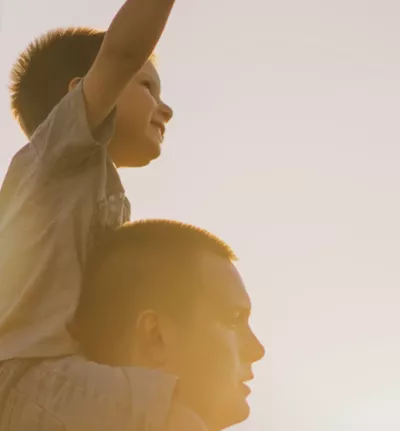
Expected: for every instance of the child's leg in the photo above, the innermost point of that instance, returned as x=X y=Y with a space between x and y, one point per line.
x=74 y=394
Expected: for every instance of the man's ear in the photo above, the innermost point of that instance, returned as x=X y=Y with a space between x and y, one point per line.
x=150 y=341
x=74 y=83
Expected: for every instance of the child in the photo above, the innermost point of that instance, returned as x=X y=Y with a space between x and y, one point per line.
x=89 y=102
x=62 y=189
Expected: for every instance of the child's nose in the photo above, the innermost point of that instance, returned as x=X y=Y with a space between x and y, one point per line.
x=166 y=112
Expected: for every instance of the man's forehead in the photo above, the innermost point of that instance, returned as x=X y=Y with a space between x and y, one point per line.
x=222 y=281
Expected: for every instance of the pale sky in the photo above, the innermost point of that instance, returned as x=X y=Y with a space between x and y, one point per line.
x=286 y=143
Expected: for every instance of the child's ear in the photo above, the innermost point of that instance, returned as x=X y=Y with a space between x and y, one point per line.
x=74 y=83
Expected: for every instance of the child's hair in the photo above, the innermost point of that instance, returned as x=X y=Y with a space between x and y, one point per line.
x=42 y=73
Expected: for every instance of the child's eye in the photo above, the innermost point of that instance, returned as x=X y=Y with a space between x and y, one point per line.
x=147 y=84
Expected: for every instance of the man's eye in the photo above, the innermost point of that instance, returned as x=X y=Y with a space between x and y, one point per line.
x=236 y=320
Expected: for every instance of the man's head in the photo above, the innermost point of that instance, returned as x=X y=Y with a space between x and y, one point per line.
x=53 y=64
x=167 y=295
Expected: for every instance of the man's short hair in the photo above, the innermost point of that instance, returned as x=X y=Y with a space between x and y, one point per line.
x=146 y=263
x=43 y=72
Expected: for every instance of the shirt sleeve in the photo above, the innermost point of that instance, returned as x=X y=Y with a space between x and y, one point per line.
x=64 y=140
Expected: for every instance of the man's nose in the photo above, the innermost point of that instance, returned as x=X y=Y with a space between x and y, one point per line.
x=254 y=350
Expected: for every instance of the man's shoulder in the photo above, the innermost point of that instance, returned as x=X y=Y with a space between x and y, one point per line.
x=140 y=395
x=110 y=381
x=86 y=395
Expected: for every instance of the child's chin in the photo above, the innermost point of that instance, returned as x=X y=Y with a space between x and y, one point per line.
x=144 y=157
x=154 y=150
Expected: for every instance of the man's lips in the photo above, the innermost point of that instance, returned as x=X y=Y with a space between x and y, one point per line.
x=245 y=388
x=247 y=378
x=243 y=382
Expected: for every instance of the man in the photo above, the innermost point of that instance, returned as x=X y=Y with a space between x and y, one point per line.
x=159 y=296
x=167 y=296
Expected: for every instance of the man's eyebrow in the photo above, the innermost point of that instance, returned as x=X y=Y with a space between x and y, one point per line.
x=243 y=309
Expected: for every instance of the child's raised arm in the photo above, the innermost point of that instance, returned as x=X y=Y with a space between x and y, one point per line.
x=62 y=189
x=129 y=41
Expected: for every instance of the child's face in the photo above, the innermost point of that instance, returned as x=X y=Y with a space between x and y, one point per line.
x=140 y=121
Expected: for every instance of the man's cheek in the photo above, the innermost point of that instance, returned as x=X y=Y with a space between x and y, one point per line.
x=223 y=345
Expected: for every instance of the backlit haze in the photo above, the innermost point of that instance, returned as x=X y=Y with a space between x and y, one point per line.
x=286 y=143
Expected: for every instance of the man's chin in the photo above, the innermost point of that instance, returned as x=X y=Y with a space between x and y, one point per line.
x=235 y=414
x=242 y=411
